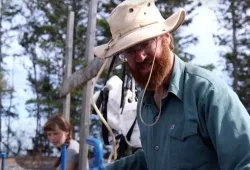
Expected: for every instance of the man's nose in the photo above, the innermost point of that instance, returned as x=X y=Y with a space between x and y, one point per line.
x=140 y=56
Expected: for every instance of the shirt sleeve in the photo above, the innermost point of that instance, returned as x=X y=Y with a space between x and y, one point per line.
x=135 y=161
x=72 y=155
x=228 y=125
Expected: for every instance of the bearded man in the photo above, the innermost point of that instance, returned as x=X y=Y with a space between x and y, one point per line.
x=188 y=118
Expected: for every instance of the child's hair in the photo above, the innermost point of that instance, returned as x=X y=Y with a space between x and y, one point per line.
x=55 y=122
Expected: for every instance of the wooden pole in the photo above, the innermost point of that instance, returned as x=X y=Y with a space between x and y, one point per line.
x=85 y=116
x=68 y=62
x=81 y=77
x=1 y=72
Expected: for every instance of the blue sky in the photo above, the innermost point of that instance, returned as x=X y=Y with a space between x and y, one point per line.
x=203 y=26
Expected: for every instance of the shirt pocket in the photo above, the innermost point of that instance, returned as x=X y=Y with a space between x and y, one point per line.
x=186 y=147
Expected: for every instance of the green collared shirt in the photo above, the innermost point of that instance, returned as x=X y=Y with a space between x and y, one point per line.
x=202 y=126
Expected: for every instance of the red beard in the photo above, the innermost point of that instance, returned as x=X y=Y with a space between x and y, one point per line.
x=160 y=73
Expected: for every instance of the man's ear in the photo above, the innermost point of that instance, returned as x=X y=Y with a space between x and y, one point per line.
x=170 y=40
x=167 y=36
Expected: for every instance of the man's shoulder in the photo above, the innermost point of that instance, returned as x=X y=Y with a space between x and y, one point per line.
x=202 y=74
x=199 y=77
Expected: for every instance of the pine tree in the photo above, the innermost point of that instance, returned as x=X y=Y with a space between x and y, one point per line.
x=43 y=38
x=8 y=139
x=233 y=37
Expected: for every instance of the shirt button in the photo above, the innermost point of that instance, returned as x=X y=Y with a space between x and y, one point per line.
x=157 y=147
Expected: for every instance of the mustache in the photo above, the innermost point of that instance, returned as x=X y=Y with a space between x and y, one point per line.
x=147 y=62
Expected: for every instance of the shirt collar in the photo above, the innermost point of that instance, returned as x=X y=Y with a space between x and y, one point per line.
x=177 y=78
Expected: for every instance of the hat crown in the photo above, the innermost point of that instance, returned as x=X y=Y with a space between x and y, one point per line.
x=135 y=21
x=131 y=15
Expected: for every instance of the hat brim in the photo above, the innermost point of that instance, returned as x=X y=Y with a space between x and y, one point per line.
x=169 y=25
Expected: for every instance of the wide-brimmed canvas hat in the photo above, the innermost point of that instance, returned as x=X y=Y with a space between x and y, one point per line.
x=134 y=21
